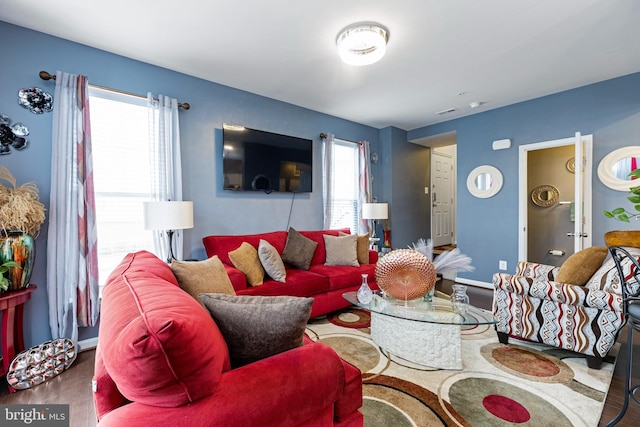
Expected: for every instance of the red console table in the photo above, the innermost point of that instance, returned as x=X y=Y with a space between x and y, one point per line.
x=11 y=305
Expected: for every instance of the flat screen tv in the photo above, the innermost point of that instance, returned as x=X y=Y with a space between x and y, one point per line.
x=255 y=160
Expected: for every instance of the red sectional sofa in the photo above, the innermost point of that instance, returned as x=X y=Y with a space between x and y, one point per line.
x=325 y=284
x=162 y=361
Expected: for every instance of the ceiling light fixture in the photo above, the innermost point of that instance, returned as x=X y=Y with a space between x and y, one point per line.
x=362 y=43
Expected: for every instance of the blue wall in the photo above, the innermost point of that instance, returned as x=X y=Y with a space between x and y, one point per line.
x=487 y=229
x=216 y=211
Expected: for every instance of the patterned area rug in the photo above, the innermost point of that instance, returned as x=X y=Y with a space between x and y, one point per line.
x=523 y=384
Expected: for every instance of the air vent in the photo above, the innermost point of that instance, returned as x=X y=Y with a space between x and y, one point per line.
x=448 y=110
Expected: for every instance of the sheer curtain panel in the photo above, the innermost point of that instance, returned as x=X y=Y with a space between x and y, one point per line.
x=365 y=184
x=328 y=153
x=166 y=163
x=72 y=258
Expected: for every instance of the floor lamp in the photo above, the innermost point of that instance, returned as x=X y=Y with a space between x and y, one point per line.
x=375 y=212
x=168 y=216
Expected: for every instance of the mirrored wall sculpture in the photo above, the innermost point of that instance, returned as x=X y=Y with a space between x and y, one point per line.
x=545 y=196
x=12 y=135
x=484 y=181
x=614 y=168
x=35 y=100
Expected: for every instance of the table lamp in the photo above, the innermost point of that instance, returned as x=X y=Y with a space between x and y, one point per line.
x=375 y=211
x=168 y=216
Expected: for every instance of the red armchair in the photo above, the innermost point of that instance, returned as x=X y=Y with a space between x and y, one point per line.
x=161 y=361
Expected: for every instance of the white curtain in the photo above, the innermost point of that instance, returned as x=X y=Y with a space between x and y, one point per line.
x=166 y=164
x=328 y=154
x=365 y=185
x=72 y=257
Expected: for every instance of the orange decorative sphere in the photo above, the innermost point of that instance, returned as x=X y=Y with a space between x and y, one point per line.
x=405 y=274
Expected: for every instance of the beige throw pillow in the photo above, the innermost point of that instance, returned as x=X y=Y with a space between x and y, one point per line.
x=246 y=259
x=202 y=277
x=362 y=248
x=298 y=250
x=341 y=250
x=579 y=267
x=271 y=261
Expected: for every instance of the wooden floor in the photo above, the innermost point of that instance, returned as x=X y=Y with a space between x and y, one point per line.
x=74 y=385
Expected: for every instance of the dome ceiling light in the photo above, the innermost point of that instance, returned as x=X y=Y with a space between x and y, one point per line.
x=362 y=44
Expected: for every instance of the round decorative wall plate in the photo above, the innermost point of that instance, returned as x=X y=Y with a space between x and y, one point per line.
x=571 y=165
x=374 y=157
x=35 y=100
x=545 y=195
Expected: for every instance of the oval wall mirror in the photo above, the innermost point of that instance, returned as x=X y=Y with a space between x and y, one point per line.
x=484 y=181
x=614 y=168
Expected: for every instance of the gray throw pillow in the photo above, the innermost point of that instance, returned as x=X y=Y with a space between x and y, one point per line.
x=299 y=250
x=341 y=250
x=271 y=261
x=256 y=327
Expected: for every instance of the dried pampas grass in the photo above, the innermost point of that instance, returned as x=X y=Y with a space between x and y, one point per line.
x=20 y=207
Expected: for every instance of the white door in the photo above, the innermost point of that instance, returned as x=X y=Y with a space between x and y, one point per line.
x=581 y=235
x=441 y=198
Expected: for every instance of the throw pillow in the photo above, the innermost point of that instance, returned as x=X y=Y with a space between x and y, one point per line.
x=256 y=327
x=362 y=248
x=201 y=277
x=579 y=267
x=299 y=250
x=245 y=259
x=341 y=250
x=271 y=261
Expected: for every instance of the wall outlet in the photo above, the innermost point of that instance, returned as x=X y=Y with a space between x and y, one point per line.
x=502 y=265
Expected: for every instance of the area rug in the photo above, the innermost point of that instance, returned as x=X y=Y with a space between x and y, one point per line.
x=523 y=384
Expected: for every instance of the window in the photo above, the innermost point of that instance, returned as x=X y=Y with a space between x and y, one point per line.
x=120 y=142
x=344 y=181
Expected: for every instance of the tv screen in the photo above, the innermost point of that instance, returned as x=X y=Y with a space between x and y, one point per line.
x=255 y=160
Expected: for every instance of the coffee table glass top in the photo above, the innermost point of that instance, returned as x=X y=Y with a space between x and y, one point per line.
x=438 y=310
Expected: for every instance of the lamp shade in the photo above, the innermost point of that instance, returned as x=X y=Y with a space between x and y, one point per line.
x=375 y=211
x=172 y=215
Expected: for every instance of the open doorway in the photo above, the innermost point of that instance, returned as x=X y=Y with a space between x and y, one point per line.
x=442 y=186
x=555 y=213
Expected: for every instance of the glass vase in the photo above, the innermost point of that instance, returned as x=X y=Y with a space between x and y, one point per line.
x=18 y=247
x=459 y=299
x=365 y=294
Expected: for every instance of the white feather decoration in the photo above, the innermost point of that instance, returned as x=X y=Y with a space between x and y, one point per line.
x=425 y=247
x=452 y=261
x=447 y=261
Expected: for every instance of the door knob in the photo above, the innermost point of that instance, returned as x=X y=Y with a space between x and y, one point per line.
x=579 y=234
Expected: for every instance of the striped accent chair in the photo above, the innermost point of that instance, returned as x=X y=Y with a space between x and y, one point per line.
x=531 y=305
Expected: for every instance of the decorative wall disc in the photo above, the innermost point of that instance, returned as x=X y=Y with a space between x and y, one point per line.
x=35 y=100
x=545 y=195
x=12 y=136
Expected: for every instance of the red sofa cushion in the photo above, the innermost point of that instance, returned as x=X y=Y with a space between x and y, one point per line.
x=222 y=245
x=152 y=335
x=299 y=387
x=343 y=276
x=299 y=283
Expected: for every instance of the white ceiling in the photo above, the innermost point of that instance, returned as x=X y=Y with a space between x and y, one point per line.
x=441 y=54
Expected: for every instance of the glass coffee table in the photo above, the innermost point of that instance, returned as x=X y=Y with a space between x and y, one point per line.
x=427 y=333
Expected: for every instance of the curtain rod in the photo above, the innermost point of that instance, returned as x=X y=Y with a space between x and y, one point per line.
x=324 y=136
x=46 y=76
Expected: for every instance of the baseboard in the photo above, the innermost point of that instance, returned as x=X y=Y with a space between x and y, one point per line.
x=88 y=344
x=474 y=283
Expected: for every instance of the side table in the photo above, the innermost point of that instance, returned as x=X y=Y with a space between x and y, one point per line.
x=11 y=305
